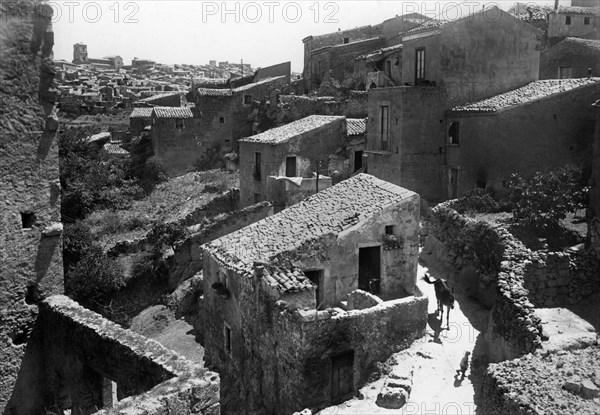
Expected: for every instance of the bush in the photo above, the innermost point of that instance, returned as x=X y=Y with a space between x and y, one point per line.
x=476 y=200
x=165 y=235
x=95 y=278
x=545 y=198
x=77 y=241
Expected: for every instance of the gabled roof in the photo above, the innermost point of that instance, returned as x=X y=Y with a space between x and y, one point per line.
x=141 y=112
x=578 y=10
x=214 y=92
x=435 y=24
x=530 y=93
x=261 y=82
x=159 y=96
x=356 y=126
x=588 y=43
x=275 y=239
x=343 y=45
x=380 y=53
x=172 y=112
x=285 y=132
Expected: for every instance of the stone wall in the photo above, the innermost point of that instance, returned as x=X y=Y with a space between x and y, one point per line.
x=558 y=279
x=187 y=259
x=30 y=229
x=295 y=107
x=487 y=260
x=564 y=382
x=86 y=357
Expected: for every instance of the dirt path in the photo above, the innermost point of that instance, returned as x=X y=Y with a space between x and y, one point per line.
x=435 y=388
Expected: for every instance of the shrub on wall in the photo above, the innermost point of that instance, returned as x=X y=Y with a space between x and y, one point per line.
x=94 y=278
x=476 y=200
x=545 y=198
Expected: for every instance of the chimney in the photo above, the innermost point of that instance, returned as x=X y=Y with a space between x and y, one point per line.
x=259 y=269
x=556 y=4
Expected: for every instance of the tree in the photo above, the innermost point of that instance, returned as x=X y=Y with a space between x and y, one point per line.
x=545 y=198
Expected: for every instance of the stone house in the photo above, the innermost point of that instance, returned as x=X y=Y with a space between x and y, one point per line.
x=379 y=68
x=228 y=114
x=443 y=65
x=287 y=318
x=336 y=51
x=571 y=58
x=280 y=165
x=543 y=125
x=176 y=140
x=594 y=223
x=574 y=21
x=140 y=118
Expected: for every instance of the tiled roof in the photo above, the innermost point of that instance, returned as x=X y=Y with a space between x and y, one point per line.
x=115 y=148
x=578 y=10
x=173 y=112
x=356 y=126
x=141 y=112
x=275 y=239
x=426 y=26
x=159 y=96
x=529 y=93
x=382 y=52
x=214 y=92
x=261 y=82
x=285 y=132
x=590 y=43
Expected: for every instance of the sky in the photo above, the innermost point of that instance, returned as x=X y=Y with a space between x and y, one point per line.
x=260 y=33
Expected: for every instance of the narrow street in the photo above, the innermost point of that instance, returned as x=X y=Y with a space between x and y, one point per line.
x=435 y=388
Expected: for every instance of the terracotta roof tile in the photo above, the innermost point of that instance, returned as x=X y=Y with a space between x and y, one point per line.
x=261 y=82
x=276 y=238
x=521 y=96
x=578 y=10
x=356 y=126
x=173 y=112
x=214 y=92
x=141 y=112
x=285 y=132
x=590 y=43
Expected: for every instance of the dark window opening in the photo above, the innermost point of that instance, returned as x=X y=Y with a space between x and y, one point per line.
x=27 y=220
x=586 y=20
x=247 y=99
x=316 y=277
x=179 y=124
x=257 y=197
x=257 y=167
x=358 y=159
x=369 y=269
x=290 y=166
x=346 y=40
x=419 y=66
x=389 y=230
x=481 y=184
x=568 y=20
x=227 y=338
x=33 y=295
x=388 y=68
x=222 y=120
x=384 y=126
x=453 y=133
x=565 y=72
x=20 y=336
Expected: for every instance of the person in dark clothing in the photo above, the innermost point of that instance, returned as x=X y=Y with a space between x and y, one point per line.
x=464 y=365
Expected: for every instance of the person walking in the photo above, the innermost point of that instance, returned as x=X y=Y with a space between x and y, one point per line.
x=464 y=365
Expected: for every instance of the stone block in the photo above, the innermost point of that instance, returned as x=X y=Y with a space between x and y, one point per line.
x=359 y=300
x=392 y=398
x=589 y=390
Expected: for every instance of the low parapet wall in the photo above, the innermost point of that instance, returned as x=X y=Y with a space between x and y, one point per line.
x=92 y=362
x=498 y=260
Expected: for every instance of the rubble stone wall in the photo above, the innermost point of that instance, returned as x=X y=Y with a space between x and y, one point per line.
x=82 y=350
x=565 y=383
x=498 y=260
x=557 y=279
x=30 y=229
x=295 y=107
x=187 y=260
